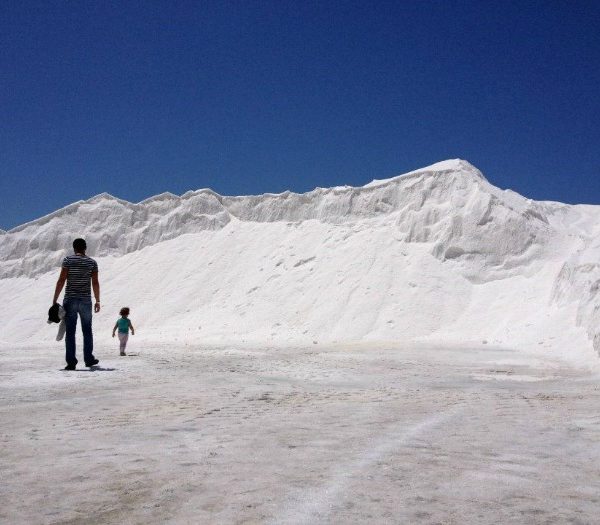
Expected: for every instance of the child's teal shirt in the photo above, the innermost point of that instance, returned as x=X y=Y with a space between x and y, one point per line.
x=123 y=324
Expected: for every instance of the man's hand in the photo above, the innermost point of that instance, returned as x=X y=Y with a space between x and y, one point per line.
x=97 y=307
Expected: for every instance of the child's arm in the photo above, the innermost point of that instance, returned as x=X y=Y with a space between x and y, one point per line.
x=115 y=328
x=132 y=329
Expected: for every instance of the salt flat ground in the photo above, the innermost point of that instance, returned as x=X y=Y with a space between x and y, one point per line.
x=339 y=434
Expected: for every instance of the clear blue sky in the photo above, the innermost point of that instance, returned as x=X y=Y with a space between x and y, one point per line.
x=137 y=98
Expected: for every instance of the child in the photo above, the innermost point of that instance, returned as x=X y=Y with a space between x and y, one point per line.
x=123 y=324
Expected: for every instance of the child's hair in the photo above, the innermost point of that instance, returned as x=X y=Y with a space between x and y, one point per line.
x=124 y=310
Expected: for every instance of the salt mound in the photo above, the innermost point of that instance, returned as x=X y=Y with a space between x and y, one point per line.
x=438 y=252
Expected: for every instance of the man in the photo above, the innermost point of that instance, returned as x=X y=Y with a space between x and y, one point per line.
x=77 y=271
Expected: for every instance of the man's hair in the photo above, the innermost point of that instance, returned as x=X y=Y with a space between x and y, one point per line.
x=79 y=245
x=124 y=310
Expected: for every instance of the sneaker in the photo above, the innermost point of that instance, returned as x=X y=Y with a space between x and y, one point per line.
x=122 y=353
x=70 y=367
x=92 y=363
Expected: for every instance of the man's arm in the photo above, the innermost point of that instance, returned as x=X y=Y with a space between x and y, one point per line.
x=96 y=288
x=62 y=278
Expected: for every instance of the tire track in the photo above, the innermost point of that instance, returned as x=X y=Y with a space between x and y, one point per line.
x=314 y=505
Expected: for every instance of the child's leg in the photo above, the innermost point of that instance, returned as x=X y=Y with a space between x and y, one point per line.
x=123 y=342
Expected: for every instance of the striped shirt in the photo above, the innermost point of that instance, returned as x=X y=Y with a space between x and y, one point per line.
x=80 y=269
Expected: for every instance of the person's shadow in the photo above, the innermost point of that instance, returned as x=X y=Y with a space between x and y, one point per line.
x=91 y=369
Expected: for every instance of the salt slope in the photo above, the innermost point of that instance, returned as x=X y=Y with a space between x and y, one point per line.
x=438 y=252
x=579 y=283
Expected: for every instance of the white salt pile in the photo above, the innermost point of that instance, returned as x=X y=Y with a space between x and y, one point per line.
x=437 y=254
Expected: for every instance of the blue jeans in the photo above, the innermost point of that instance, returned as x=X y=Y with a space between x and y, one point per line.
x=83 y=307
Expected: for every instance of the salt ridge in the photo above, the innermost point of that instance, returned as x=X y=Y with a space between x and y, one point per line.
x=37 y=246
